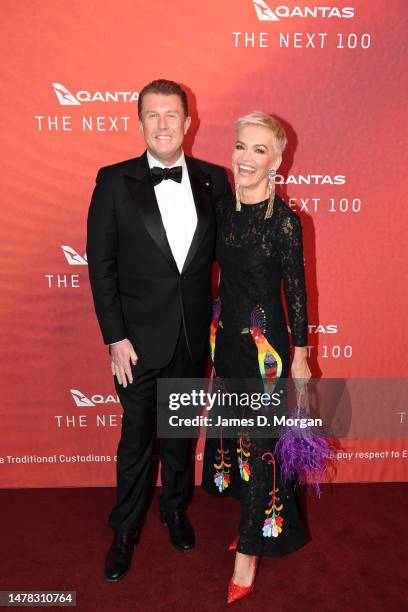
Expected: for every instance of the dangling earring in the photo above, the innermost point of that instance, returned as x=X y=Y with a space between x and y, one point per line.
x=269 y=210
x=237 y=198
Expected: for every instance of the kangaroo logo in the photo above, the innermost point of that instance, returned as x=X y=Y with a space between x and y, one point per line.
x=64 y=96
x=80 y=399
x=72 y=257
x=263 y=11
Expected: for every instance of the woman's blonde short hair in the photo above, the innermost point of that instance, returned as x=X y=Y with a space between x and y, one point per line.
x=266 y=121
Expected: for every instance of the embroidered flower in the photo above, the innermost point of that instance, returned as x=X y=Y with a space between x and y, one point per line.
x=273 y=523
x=244 y=469
x=272 y=526
x=243 y=454
x=222 y=480
x=222 y=465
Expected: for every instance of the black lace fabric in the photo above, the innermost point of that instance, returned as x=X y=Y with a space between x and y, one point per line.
x=257 y=257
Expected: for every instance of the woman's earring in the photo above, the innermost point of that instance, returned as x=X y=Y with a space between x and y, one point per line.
x=271 y=176
x=237 y=198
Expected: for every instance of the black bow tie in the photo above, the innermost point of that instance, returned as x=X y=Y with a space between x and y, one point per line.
x=160 y=174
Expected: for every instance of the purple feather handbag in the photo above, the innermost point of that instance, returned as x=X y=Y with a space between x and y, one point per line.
x=303 y=452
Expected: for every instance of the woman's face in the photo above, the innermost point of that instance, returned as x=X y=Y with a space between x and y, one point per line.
x=254 y=155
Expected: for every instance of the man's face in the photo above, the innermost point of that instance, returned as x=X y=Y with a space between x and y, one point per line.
x=164 y=125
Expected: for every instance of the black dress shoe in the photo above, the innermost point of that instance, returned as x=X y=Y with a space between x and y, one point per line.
x=119 y=557
x=180 y=528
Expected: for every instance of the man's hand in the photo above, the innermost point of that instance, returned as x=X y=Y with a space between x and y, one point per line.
x=122 y=354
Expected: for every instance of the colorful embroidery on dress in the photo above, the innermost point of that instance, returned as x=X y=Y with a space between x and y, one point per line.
x=222 y=458
x=273 y=524
x=214 y=326
x=243 y=454
x=270 y=363
x=222 y=465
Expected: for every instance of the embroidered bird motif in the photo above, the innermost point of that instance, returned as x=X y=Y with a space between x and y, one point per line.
x=270 y=363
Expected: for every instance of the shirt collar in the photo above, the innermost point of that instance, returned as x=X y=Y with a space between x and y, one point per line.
x=152 y=161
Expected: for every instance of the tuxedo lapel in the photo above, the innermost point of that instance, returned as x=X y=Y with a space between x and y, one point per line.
x=141 y=188
x=201 y=188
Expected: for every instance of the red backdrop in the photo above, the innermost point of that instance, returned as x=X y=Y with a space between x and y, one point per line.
x=334 y=76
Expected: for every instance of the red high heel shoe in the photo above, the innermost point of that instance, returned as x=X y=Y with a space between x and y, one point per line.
x=236 y=592
x=234 y=543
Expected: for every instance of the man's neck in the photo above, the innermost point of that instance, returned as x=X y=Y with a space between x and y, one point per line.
x=168 y=162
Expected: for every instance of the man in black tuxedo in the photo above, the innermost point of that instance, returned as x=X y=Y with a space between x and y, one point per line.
x=150 y=247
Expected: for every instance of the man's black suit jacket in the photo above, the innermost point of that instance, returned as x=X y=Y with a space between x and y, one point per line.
x=137 y=288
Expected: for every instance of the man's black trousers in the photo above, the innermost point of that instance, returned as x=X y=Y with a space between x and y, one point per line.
x=135 y=450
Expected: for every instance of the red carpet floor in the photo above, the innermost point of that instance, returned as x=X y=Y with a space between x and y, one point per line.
x=56 y=539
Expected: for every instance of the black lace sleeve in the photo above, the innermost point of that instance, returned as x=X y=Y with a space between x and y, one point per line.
x=291 y=259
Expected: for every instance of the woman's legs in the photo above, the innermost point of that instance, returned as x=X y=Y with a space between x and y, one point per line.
x=244 y=569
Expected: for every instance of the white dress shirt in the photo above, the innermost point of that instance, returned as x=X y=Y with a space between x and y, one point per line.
x=177 y=209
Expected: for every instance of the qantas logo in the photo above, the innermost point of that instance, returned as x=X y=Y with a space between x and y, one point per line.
x=310 y=179
x=72 y=257
x=66 y=98
x=265 y=13
x=82 y=401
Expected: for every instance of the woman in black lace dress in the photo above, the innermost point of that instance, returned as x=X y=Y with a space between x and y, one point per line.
x=259 y=245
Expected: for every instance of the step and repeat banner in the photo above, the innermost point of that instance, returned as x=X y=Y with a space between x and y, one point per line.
x=331 y=71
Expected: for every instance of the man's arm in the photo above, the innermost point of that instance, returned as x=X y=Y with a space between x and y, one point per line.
x=101 y=249
x=222 y=186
